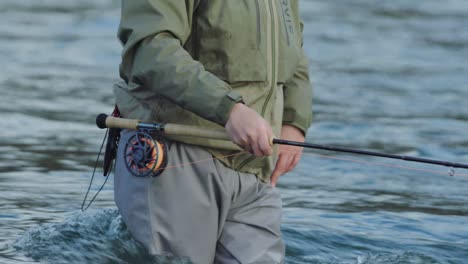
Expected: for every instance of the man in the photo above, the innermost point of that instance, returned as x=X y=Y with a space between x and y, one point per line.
x=213 y=63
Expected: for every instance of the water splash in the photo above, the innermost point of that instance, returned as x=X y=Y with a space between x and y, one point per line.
x=90 y=237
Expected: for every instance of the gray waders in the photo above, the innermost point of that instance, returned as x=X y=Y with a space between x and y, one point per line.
x=201 y=210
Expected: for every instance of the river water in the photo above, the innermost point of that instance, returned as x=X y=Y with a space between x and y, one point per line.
x=388 y=76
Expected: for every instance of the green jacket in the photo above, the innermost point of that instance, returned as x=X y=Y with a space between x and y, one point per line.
x=190 y=61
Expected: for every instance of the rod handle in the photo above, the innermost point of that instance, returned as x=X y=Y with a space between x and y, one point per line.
x=105 y=121
x=199 y=132
x=193 y=131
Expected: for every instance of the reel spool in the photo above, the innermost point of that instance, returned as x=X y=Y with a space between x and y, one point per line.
x=144 y=155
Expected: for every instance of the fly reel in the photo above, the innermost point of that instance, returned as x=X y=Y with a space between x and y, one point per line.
x=144 y=155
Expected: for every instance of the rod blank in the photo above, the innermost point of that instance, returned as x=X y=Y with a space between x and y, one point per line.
x=370 y=153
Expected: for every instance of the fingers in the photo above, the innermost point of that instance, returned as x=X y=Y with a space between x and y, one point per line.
x=280 y=168
x=249 y=131
x=288 y=158
x=296 y=160
x=264 y=147
x=259 y=146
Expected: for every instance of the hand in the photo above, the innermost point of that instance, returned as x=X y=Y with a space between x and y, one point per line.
x=249 y=130
x=288 y=156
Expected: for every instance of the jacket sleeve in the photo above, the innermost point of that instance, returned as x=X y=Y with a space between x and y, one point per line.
x=298 y=96
x=154 y=61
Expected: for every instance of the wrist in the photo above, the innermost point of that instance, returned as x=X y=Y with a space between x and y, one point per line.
x=227 y=106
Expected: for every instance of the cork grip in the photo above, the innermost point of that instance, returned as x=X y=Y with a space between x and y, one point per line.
x=193 y=131
x=105 y=121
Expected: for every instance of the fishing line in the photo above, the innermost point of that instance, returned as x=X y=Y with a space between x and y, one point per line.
x=158 y=170
x=83 y=208
x=451 y=171
x=155 y=168
x=201 y=161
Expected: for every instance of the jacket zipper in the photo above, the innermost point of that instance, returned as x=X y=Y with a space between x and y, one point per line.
x=272 y=51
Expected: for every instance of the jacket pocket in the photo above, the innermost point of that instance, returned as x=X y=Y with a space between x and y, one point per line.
x=229 y=40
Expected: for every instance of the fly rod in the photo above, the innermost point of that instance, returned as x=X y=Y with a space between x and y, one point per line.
x=369 y=153
x=104 y=121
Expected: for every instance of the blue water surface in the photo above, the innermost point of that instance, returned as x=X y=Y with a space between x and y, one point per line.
x=389 y=76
